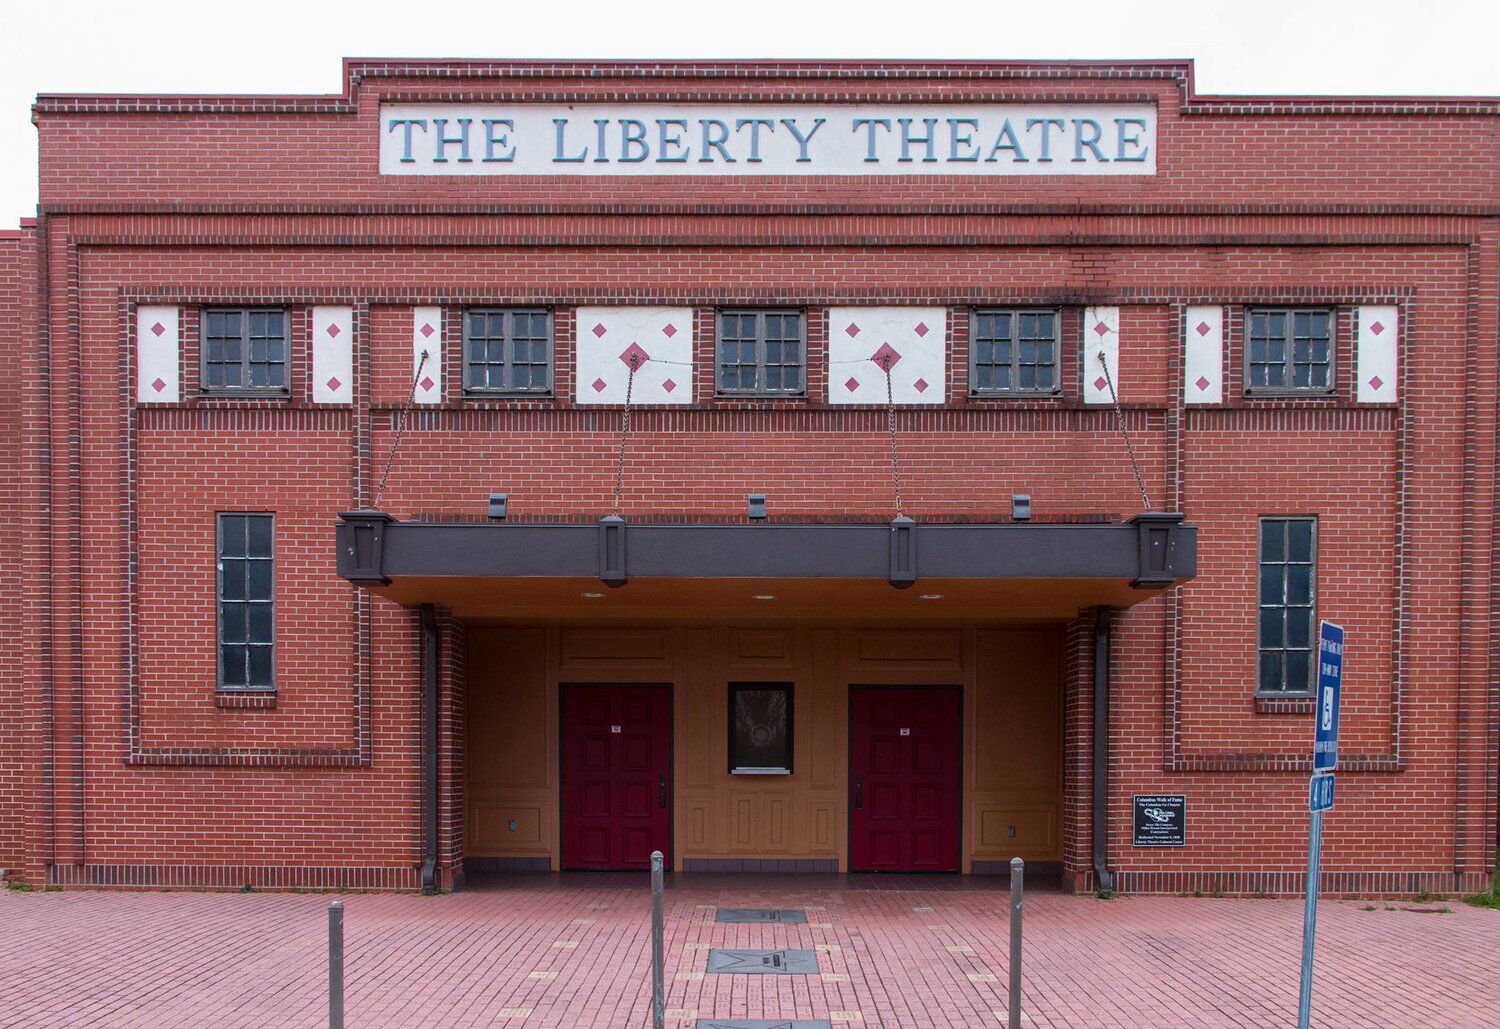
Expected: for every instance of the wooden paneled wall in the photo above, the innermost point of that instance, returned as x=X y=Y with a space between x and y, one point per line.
x=1012 y=685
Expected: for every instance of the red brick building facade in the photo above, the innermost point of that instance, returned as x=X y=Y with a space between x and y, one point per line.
x=273 y=355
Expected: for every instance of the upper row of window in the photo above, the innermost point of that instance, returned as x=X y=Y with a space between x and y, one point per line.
x=762 y=352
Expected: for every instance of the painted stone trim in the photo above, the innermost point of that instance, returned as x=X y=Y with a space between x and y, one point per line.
x=912 y=339
x=427 y=340
x=1203 y=355
x=332 y=355
x=659 y=340
x=1101 y=335
x=1376 y=354
x=158 y=342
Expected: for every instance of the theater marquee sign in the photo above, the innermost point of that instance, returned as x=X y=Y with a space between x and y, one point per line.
x=782 y=139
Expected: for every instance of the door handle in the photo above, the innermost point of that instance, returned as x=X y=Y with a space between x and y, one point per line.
x=859 y=793
x=661 y=789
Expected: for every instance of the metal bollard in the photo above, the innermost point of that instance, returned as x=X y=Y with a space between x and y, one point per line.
x=658 y=950
x=336 y=965
x=1017 y=877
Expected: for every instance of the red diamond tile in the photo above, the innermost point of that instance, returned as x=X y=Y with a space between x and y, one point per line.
x=1376 y=382
x=1204 y=328
x=333 y=331
x=1202 y=383
x=599 y=385
x=634 y=355
x=852 y=384
x=887 y=356
x=427 y=383
x=334 y=384
x=852 y=330
x=1100 y=382
x=669 y=330
x=1101 y=329
x=920 y=386
x=669 y=385
x=158 y=385
x=158 y=329
x=599 y=329
x=427 y=329
x=921 y=329
x=1377 y=328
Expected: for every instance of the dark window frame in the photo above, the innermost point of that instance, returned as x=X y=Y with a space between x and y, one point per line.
x=759 y=389
x=785 y=687
x=1014 y=341
x=1262 y=649
x=1288 y=341
x=508 y=362
x=246 y=312
x=270 y=601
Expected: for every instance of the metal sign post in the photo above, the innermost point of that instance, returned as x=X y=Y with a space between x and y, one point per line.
x=1320 y=793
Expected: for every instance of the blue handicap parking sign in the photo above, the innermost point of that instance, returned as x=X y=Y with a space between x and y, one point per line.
x=1330 y=682
x=1320 y=795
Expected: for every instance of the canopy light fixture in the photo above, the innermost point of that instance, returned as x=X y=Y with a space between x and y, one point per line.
x=932 y=596
x=764 y=596
x=594 y=596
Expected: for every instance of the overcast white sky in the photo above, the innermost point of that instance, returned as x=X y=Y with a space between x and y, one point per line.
x=277 y=46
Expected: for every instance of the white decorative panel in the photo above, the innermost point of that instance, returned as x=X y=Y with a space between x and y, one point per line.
x=427 y=339
x=1203 y=356
x=658 y=339
x=332 y=355
x=157 y=341
x=912 y=340
x=1375 y=364
x=1101 y=335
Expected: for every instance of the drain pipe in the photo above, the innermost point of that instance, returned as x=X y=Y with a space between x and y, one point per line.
x=429 y=748
x=1104 y=880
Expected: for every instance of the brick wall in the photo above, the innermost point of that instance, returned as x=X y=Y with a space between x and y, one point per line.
x=169 y=785
x=18 y=313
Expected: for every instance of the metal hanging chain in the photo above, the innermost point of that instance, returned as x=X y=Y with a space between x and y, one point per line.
x=890 y=421
x=1135 y=467
x=406 y=407
x=625 y=431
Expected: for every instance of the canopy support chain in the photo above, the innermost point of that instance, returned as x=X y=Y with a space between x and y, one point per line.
x=411 y=399
x=1140 y=483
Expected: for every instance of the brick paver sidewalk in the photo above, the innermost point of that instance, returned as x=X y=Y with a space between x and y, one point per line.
x=576 y=955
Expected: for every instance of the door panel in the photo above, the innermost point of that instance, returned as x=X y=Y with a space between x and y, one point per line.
x=616 y=771
x=904 y=747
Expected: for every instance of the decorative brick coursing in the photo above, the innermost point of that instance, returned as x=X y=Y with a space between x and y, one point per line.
x=234 y=877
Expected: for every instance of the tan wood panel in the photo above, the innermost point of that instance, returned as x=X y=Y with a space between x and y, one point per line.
x=1012 y=685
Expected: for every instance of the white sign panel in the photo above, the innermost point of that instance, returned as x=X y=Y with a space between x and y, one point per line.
x=156 y=349
x=767 y=139
x=865 y=342
x=656 y=342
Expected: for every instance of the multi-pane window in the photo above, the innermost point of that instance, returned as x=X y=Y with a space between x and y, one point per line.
x=761 y=352
x=760 y=728
x=245 y=349
x=1014 y=350
x=247 y=603
x=1289 y=350
x=507 y=350
x=1287 y=635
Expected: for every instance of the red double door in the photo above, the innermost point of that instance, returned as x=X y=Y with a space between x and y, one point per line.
x=616 y=775
x=905 y=747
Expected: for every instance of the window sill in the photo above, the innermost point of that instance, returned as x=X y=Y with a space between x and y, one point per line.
x=1295 y=704
x=245 y=700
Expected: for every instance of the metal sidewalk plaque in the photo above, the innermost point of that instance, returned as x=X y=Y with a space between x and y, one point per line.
x=775 y=916
x=763 y=962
